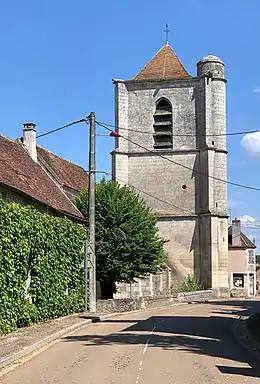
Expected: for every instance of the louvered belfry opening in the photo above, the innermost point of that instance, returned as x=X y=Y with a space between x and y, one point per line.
x=163 y=125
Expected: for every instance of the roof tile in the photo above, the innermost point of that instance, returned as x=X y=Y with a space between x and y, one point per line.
x=70 y=175
x=19 y=171
x=164 y=65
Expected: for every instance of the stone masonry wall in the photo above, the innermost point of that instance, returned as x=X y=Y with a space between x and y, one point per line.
x=141 y=107
x=165 y=181
x=125 y=305
x=10 y=196
x=182 y=246
x=153 y=286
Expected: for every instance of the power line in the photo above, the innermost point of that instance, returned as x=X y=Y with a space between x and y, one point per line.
x=62 y=127
x=246 y=226
x=182 y=165
x=250 y=227
x=185 y=134
x=154 y=197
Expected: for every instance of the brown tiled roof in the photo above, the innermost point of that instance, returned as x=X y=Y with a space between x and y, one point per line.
x=69 y=174
x=164 y=65
x=20 y=172
x=245 y=241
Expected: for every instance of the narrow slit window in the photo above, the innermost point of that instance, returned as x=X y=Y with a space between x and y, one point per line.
x=163 y=125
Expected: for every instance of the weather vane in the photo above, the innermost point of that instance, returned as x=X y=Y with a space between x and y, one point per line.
x=167 y=31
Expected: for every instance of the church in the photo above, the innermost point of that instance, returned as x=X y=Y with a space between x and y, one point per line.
x=172 y=149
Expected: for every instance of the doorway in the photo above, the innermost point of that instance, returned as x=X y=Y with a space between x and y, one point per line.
x=251 y=284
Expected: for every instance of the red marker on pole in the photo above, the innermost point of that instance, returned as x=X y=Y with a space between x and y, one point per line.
x=114 y=134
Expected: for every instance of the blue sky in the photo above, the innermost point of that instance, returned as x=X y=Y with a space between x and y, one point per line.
x=58 y=59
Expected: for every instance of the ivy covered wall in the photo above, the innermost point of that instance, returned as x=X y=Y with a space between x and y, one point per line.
x=41 y=266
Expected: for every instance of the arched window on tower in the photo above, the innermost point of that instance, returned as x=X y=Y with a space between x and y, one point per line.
x=163 y=125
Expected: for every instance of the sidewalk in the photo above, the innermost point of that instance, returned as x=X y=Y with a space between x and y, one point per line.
x=19 y=346
x=27 y=340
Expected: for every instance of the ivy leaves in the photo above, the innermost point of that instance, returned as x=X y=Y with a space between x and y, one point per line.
x=47 y=247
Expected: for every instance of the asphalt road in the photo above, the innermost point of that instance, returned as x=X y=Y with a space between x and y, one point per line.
x=186 y=344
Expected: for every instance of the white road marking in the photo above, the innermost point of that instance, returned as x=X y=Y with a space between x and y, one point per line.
x=195 y=337
x=148 y=340
x=144 y=352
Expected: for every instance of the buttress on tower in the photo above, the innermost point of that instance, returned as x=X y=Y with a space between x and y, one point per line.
x=173 y=151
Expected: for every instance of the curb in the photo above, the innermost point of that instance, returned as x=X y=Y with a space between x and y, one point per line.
x=9 y=363
x=28 y=352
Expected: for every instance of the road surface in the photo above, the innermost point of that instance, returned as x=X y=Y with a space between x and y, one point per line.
x=185 y=344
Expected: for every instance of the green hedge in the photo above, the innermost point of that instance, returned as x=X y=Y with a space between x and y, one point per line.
x=47 y=248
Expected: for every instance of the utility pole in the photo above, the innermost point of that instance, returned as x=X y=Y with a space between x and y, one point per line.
x=86 y=272
x=91 y=211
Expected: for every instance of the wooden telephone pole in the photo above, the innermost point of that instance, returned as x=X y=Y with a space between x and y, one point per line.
x=91 y=213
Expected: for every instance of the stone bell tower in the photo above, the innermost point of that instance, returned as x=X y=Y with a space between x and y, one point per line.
x=173 y=151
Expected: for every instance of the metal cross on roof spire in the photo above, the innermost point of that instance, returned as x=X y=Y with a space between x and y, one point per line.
x=167 y=31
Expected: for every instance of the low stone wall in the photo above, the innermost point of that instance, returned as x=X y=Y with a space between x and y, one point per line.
x=126 y=305
x=221 y=292
x=158 y=285
x=239 y=292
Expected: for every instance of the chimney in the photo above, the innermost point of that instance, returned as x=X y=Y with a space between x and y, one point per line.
x=29 y=139
x=236 y=228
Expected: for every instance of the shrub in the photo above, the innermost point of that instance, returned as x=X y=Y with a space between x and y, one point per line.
x=127 y=242
x=189 y=284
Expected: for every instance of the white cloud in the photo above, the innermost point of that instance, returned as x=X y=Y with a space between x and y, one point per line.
x=234 y=203
x=246 y=219
x=251 y=142
x=256 y=90
x=237 y=199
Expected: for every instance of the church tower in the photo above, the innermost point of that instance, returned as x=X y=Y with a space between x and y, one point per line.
x=172 y=149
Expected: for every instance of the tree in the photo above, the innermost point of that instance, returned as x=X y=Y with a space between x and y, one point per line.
x=127 y=241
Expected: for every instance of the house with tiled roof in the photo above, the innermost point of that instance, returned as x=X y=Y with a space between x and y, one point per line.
x=30 y=174
x=241 y=261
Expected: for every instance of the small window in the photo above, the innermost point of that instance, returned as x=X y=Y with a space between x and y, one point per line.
x=184 y=186
x=238 y=280
x=251 y=256
x=213 y=142
x=163 y=125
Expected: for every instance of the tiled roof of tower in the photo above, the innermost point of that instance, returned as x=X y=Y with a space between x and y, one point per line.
x=70 y=175
x=164 y=65
x=18 y=171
